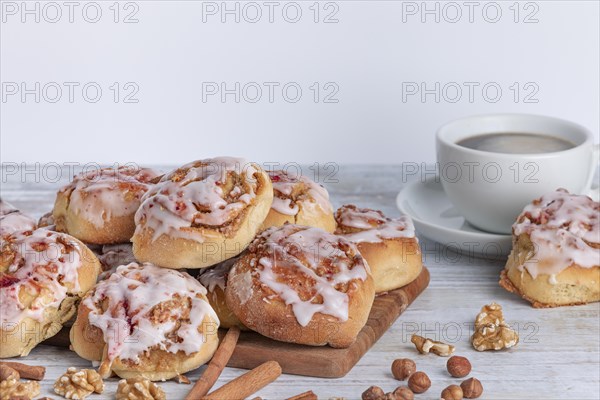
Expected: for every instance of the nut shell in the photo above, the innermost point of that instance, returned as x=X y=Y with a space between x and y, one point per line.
x=458 y=366
x=419 y=382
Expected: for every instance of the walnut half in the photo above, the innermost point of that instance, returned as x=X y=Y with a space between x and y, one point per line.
x=491 y=331
x=13 y=388
x=78 y=384
x=139 y=389
x=489 y=314
x=425 y=346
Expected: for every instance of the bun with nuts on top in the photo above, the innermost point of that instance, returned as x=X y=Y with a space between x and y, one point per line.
x=43 y=274
x=302 y=285
x=98 y=205
x=555 y=259
x=297 y=199
x=146 y=321
x=202 y=213
x=389 y=245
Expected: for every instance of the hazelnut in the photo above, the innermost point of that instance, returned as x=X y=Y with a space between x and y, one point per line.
x=373 y=393
x=452 y=392
x=419 y=382
x=471 y=388
x=404 y=393
x=403 y=368
x=389 y=396
x=458 y=366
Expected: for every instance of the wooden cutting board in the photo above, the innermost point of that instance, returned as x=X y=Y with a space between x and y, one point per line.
x=325 y=362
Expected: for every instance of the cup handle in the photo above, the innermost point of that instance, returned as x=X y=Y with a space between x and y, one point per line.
x=593 y=186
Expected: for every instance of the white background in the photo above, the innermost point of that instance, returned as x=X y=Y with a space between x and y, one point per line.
x=370 y=53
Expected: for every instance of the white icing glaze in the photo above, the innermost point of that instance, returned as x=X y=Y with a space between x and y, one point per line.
x=246 y=291
x=45 y=265
x=132 y=293
x=315 y=254
x=13 y=220
x=6 y=207
x=366 y=225
x=561 y=227
x=313 y=196
x=192 y=196
x=100 y=194
x=216 y=276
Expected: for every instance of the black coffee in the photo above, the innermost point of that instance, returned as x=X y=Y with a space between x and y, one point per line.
x=516 y=143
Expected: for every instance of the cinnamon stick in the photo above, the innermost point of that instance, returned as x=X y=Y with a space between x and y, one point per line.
x=216 y=365
x=245 y=385
x=310 y=395
x=7 y=373
x=26 y=371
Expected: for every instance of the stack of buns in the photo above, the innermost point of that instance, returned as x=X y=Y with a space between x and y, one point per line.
x=269 y=252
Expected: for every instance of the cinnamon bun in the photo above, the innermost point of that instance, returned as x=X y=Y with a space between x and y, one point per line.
x=555 y=260
x=12 y=220
x=43 y=274
x=302 y=285
x=146 y=321
x=214 y=279
x=202 y=213
x=98 y=206
x=297 y=199
x=388 y=244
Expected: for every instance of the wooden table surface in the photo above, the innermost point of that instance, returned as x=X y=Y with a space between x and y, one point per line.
x=558 y=356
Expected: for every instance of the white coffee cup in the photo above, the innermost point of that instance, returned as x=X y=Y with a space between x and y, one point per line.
x=490 y=189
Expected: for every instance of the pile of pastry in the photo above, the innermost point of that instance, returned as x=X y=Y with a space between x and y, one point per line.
x=215 y=243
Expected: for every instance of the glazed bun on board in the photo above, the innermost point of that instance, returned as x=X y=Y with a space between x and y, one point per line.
x=202 y=213
x=388 y=244
x=98 y=206
x=302 y=285
x=555 y=260
x=146 y=321
x=299 y=200
x=43 y=275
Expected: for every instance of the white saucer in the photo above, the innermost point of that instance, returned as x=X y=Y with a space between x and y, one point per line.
x=435 y=218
